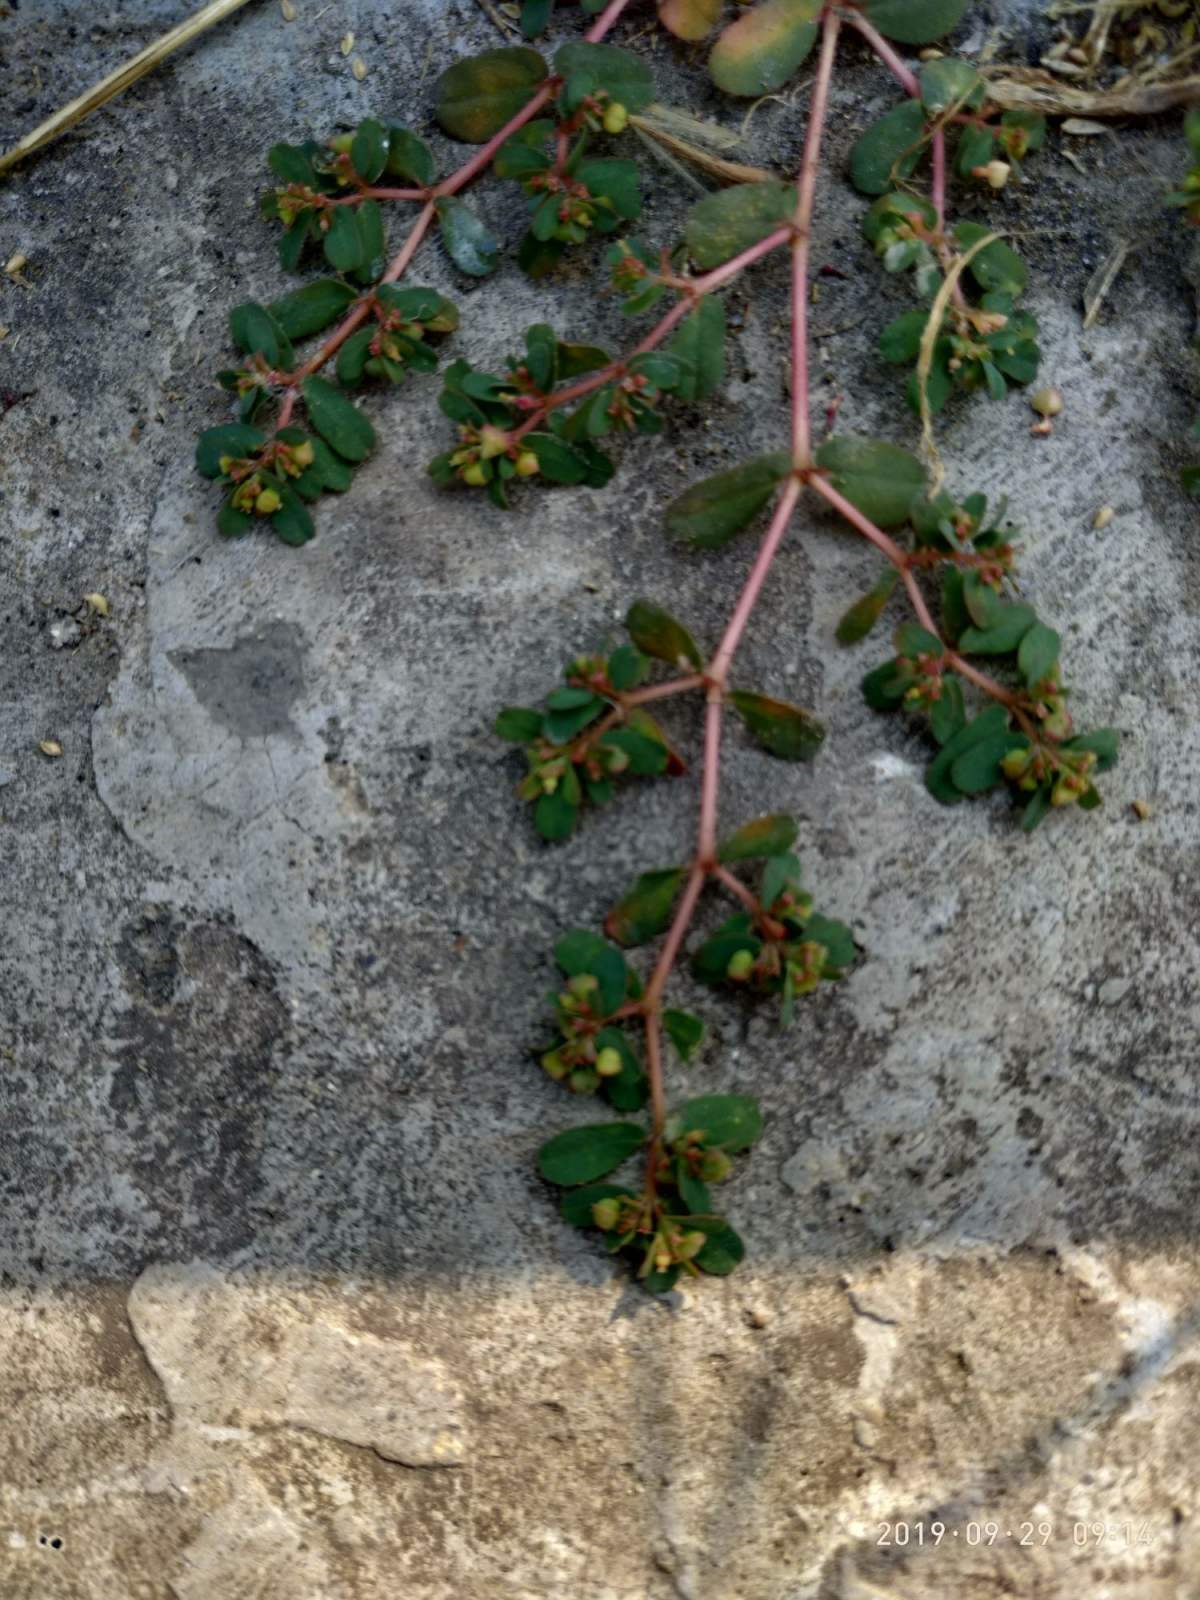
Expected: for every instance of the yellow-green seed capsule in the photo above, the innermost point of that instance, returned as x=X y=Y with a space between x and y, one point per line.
x=609 y=1062
x=616 y=118
x=475 y=475
x=267 y=503
x=527 y=464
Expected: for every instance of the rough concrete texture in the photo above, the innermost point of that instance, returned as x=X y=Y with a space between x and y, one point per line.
x=285 y=1310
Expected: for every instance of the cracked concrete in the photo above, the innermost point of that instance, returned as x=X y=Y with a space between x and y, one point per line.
x=286 y=1313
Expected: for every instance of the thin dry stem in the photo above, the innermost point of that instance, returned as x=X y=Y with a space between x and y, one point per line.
x=117 y=82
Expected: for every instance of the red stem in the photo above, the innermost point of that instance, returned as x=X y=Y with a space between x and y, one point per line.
x=899 y=560
x=884 y=51
x=806 y=191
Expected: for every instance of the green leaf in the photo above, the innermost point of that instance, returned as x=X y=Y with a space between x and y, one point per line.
x=626 y=667
x=765 y=836
x=235 y=439
x=476 y=97
x=1036 y=809
x=1009 y=625
x=785 y=730
x=978 y=768
x=576 y=1207
x=712 y=959
x=293 y=521
x=889 y=149
x=989 y=725
x=581 y=1155
x=949 y=82
x=647 y=756
x=555 y=816
x=976 y=147
x=684 y=1031
x=759 y=52
x=352 y=358
x=519 y=724
x=614 y=181
x=723 y=1252
x=624 y=77
x=343 y=243
x=700 y=345
x=629 y=1089
x=1104 y=741
x=878 y=478
x=900 y=341
x=369 y=221
x=729 y=221
x=255 y=331
x=338 y=422
x=559 y=461
x=369 y=150
x=409 y=158
x=915 y=21
x=1038 y=653
x=306 y=311
x=884 y=686
x=693 y=1194
x=469 y=242
x=581 y=951
x=857 y=622
x=232 y=523
x=689 y=19
x=711 y=512
x=729 y=1121
x=834 y=938
x=997 y=268
x=645 y=911
x=948 y=713
x=569 y=711
x=658 y=633
x=293 y=164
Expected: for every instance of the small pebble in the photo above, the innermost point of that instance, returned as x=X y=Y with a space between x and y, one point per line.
x=1113 y=990
x=359 y=68
x=1142 y=810
x=50 y=747
x=1103 y=517
x=758 y=1316
x=66 y=631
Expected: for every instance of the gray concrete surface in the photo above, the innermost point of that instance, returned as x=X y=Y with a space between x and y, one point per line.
x=285 y=1311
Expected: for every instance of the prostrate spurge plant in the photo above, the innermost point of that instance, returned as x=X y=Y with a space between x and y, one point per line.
x=548 y=413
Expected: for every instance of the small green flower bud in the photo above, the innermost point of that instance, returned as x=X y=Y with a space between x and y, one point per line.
x=475 y=475
x=583 y=984
x=1015 y=762
x=493 y=441
x=267 y=503
x=302 y=454
x=606 y=1213
x=740 y=966
x=583 y=1081
x=715 y=1166
x=690 y=1245
x=609 y=1062
x=225 y=463
x=554 y=1065
x=616 y=118
x=527 y=465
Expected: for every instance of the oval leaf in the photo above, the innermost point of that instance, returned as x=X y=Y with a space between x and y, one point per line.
x=711 y=512
x=732 y=1121
x=646 y=910
x=880 y=479
x=476 y=97
x=765 y=836
x=469 y=242
x=618 y=73
x=761 y=50
x=658 y=634
x=915 y=21
x=730 y=220
x=308 y=310
x=889 y=149
x=338 y=422
x=581 y=1155
x=783 y=729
